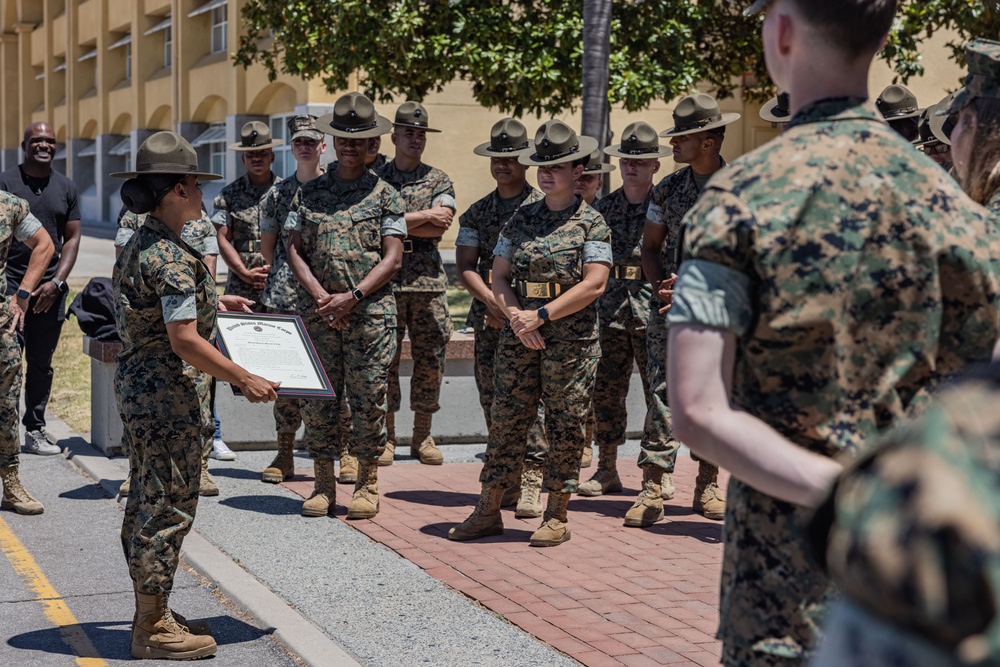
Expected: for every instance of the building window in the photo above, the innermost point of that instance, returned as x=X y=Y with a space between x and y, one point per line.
x=128 y=61
x=217 y=157
x=284 y=161
x=219 y=29
x=168 y=46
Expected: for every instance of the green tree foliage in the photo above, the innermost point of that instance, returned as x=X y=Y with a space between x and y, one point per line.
x=524 y=56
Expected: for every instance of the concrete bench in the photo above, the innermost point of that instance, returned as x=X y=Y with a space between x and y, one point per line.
x=250 y=426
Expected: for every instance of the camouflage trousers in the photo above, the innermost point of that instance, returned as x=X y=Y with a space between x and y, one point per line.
x=658 y=446
x=165 y=464
x=486 y=343
x=425 y=315
x=619 y=347
x=562 y=377
x=10 y=395
x=357 y=362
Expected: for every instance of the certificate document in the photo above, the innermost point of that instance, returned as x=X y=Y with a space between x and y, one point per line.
x=277 y=348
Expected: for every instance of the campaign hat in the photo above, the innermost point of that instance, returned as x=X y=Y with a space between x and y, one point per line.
x=557 y=142
x=596 y=166
x=639 y=142
x=931 y=127
x=897 y=102
x=166 y=153
x=255 y=136
x=776 y=110
x=354 y=117
x=508 y=138
x=412 y=114
x=698 y=113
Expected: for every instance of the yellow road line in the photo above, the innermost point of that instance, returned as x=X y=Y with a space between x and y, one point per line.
x=55 y=608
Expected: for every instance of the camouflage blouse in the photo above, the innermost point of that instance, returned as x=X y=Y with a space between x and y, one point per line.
x=342 y=224
x=625 y=303
x=552 y=246
x=280 y=290
x=16 y=223
x=160 y=279
x=199 y=234
x=855 y=276
x=238 y=208
x=480 y=228
x=421 y=189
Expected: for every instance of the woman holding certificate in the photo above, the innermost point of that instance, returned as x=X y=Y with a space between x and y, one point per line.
x=551 y=264
x=165 y=303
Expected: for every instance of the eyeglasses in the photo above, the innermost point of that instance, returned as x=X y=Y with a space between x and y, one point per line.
x=940 y=149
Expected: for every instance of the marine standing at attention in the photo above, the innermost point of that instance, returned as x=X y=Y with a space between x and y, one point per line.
x=551 y=264
x=165 y=308
x=623 y=309
x=831 y=280
x=346 y=232
x=421 y=283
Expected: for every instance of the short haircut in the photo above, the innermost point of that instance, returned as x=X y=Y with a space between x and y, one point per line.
x=856 y=26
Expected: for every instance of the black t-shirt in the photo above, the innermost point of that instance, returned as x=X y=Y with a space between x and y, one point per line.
x=54 y=202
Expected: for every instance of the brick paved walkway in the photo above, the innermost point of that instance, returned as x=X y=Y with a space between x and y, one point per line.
x=610 y=596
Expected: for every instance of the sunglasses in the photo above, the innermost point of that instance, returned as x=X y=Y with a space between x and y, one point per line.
x=940 y=149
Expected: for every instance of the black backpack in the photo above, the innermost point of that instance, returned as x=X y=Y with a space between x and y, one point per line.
x=94 y=308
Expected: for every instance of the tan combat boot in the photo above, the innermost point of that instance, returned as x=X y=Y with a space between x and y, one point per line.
x=348 y=466
x=422 y=445
x=15 y=496
x=530 y=504
x=323 y=500
x=390 y=446
x=667 y=486
x=554 y=529
x=125 y=487
x=207 y=485
x=708 y=498
x=606 y=479
x=156 y=634
x=364 y=504
x=648 y=507
x=194 y=627
x=283 y=465
x=485 y=520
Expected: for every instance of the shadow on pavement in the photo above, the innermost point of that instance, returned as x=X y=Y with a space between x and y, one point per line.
x=709 y=533
x=435 y=497
x=235 y=473
x=274 y=505
x=112 y=639
x=86 y=492
x=509 y=534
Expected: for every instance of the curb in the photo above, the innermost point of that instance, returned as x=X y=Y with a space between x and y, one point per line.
x=299 y=636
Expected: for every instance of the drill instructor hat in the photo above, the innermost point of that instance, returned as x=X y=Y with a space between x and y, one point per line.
x=698 y=113
x=166 y=153
x=508 y=138
x=354 y=117
x=255 y=136
x=639 y=142
x=555 y=143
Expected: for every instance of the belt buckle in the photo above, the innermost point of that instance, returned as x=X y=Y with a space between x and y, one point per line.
x=407 y=245
x=489 y=277
x=539 y=290
x=631 y=272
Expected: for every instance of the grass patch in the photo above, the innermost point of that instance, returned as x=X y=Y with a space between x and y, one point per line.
x=70 y=397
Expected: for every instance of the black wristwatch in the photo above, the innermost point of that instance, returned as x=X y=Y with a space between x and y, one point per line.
x=23 y=294
x=357 y=294
x=61 y=284
x=543 y=313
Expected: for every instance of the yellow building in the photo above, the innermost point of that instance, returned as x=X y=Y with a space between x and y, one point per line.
x=107 y=73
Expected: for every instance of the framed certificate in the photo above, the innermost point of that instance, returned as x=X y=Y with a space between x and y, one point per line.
x=275 y=347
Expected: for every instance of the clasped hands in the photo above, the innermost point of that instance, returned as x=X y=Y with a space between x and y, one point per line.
x=665 y=292
x=525 y=325
x=335 y=308
x=256 y=277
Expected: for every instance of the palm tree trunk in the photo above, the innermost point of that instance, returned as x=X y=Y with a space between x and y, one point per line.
x=596 y=62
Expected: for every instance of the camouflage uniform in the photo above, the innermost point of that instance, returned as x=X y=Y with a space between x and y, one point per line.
x=669 y=201
x=238 y=208
x=623 y=312
x=16 y=223
x=342 y=224
x=199 y=234
x=546 y=246
x=419 y=288
x=165 y=403
x=911 y=540
x=480 y=228
x=855 y=276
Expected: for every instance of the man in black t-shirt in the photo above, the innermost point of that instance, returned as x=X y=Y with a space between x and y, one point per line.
x=52 y=198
